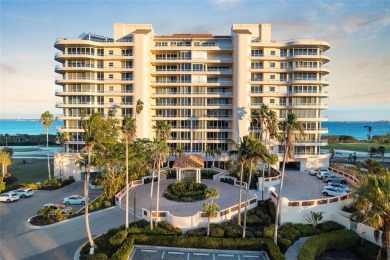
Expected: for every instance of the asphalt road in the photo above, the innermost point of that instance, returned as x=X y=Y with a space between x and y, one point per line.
x=19 y=241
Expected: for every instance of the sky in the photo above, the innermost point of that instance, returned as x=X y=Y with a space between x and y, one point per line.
x=358 y=33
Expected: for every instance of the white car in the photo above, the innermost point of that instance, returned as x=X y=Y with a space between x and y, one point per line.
x=9 y=197
x=323 y=174
x=74 y=199
x=331 y=191
x=24 y=192
x=315 y=171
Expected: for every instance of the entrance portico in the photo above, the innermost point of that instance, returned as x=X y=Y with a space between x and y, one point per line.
x=188 y=168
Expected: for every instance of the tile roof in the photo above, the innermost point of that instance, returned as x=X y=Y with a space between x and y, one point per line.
x=188 y=161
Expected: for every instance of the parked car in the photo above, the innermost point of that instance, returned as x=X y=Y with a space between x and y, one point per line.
x=74 y=199
x=330 y=191
x=24 y=192
x=64 y=209
x=315 y=171
x=340 y=186
x=323 y=174
x=334 y=178
x=9 y=197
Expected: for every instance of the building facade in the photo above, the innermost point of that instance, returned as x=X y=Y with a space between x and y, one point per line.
x=206 y=86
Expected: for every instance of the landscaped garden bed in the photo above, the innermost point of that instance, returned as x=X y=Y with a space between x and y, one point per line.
x=186 y=191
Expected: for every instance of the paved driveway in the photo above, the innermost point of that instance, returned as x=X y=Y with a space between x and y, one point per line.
x=18 y=241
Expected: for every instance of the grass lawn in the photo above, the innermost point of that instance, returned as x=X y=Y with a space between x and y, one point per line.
x=30 y=172
x=356 y=147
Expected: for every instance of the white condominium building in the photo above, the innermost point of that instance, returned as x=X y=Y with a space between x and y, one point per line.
x=206 y=86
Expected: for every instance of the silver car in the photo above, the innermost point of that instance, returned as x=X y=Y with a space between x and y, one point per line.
x=334 y=179
x=24 y=192
x=9 y=197
x=330 y=191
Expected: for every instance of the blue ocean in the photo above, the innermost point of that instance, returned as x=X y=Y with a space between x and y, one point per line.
x=31 y=127
x=356 y=129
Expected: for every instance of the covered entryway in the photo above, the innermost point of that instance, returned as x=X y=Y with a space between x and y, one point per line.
x=188 y=168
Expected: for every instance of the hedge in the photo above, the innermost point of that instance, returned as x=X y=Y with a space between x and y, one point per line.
x=118 y=238
x=124 y=251
x=336 y=240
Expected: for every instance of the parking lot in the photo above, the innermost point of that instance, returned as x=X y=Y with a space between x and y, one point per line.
x=172 y=253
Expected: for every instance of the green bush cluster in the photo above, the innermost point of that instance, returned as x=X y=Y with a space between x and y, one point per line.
x=118 y=238
x=167 y=226
x=186 y=191
x=330 y=226
x=149 y=180
x=336 y=240
x=100 y=203
x=171 y=174
x=227 y=180
x=125 y=249
x=52 y=184
x=207 y=174
x=368 y=251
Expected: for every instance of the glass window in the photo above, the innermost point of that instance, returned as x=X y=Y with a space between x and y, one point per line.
x=111 y=64
x=272 y=101
x=272 y=89
x=111 y=76
x=111 y=52
x=272 y=65
x=272 y=77
x=272 y=53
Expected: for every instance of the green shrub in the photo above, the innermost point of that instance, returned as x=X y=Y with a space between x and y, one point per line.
x=125 y=249
x=284 y=243
x=106 y=204
x=305 y=230
x=96 y=256
x=271 y=209
x=258 y=234
x=134 y=230
x=336 y=240
x=330 y=226
x=197 y=232
x=169 y=227
x=31 y=186
x=185 y=191
x=269 y=231
x=141 y=223
x=118 y=238
x=217 y=232
x=254 y=220
x=289 y=232
x=368 y=251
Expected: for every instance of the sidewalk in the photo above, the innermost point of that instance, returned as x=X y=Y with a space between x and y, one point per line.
x=293 y=250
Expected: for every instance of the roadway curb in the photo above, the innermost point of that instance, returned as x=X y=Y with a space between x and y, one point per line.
x=28 y=225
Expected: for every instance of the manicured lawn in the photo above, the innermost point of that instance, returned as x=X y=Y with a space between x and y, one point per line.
x=30 y=172
x=355 y=147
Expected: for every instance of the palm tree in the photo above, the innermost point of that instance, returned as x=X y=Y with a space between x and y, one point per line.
x=264 y=110
x=369 y=129
x=211 y=211
x=163 y=130
x=373 y=205
x=160 y=153
x=139 y=107
x=5 y=160
x=241 y=152
x=256 y=120
x=257 y=152
x=210 y=208
x=272 y=128
x=96 y=132
x=208 y=152
x=332 y=153
x=47 y=120
x=128 y=129
x=288 y=127
x=216 y=152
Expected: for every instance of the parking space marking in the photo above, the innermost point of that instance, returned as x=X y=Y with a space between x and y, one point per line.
x=162 y=257
x=251 y=256
x=226 y=255
x=148 y=250
x=201 y=254
x=176 y=253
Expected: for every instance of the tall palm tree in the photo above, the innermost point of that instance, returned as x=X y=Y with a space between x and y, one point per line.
x=272 y=128
x=217 y=152
x=96 y=132
x=369 y=129
x=381 y=151
x=5 y=160
x=159 y=152
x=256 y=120
x=128 y=129
x=139 y=107
x=288 y=128
x=331 y=153
x=47 y=120
x=210 y=208
x=264 y=110
x=241 y=153
x=373 y=205
x=163 y=130
x=257 y=152
x=208 y=152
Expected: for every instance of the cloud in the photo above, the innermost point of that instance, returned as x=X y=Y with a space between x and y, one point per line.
x=365 y=23
x=8 y=69
x=332 y=8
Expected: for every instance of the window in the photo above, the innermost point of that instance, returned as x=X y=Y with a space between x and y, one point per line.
x=111 y=76
x=111 y=64
x=272 y=77
x=111 y=88
x=272 y=101
x=111 y=100
x=110 y=52
x=257 y=53
x=272 y=64
x=272 y=53
x=272 y=89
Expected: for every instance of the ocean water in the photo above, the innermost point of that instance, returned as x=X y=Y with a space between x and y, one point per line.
x=356 y=129
x=31 y=127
